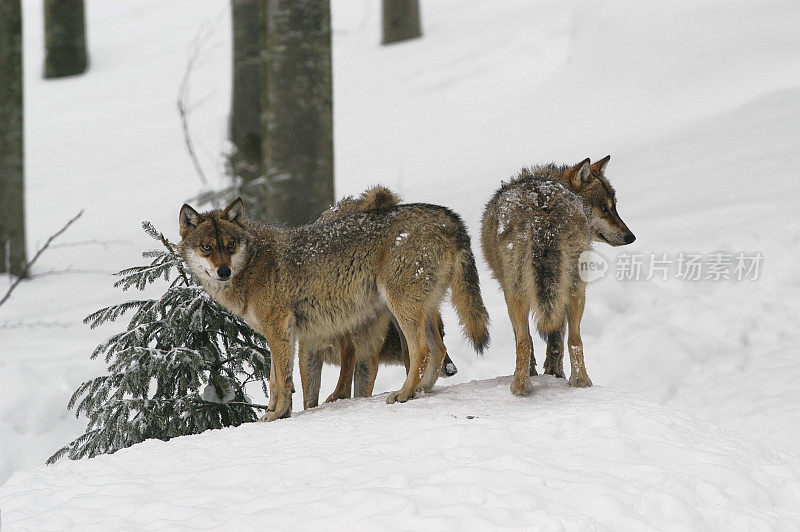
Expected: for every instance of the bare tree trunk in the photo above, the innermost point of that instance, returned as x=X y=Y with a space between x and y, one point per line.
x=247 y=160
x=400 y=20
x=12 y=201
x=65 y=38
x=297 y=109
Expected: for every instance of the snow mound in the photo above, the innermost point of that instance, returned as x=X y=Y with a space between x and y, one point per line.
x=465 y=456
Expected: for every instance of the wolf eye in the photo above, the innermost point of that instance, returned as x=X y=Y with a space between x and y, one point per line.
x=231 y=245
x=205 y=247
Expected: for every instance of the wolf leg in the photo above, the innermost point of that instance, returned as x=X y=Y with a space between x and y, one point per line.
x=281 y=351
x=554 y=363
x=448 y=366
x=518 y=311
x=348 y=358
x=403 y=343
x=310 y=375
x=273 y=387
x=578 y=376
x=438 y=352
x=418 y=353
x=364 y=377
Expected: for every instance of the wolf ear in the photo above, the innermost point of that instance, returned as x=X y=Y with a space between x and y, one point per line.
x=578 y=176
x=600 y=166
x=188 y=217
x=235 y=211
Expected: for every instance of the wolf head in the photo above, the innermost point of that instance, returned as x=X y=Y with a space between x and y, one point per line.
x=590 y=183
x=214 y=244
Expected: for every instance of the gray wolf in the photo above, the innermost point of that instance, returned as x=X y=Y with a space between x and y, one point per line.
x=376 y=342
x=324 y=280
x=532 y=234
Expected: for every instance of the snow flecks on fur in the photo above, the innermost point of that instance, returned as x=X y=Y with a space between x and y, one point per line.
x=541 y=229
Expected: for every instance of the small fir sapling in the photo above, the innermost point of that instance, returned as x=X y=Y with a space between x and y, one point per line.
x=180 y=367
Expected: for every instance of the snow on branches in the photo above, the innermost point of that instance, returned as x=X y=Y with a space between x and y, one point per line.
x=171 y=365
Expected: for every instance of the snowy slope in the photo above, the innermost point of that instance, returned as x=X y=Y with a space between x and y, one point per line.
x=108 y=142
x=701 y=121
x=467 y=457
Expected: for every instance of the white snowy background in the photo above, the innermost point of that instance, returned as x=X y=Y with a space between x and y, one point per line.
x=692 y=422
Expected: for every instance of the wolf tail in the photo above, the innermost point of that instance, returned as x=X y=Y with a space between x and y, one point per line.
x=378 y=197
x=466 y=296
x=551 y=291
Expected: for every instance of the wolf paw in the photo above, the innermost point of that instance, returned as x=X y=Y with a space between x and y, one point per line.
x=425 y=386
x=335 y=396
x=399 y=397
x=554 y=367
x=580 y=381
x=448 y=370
x=272 y=416
x=521 y=387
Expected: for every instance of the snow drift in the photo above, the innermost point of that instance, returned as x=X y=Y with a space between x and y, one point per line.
x=470 y=456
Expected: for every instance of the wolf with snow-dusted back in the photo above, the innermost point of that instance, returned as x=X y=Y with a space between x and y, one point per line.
x=377 y=341
x=329 y=278
x=533 y=232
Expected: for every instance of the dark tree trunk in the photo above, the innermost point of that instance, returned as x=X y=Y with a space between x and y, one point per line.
x=297 y=109
x=12 y=204
x=247 y=160
x=400 y=20
x=65 y=38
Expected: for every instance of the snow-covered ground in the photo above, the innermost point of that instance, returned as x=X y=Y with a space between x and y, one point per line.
x=692 y=420
x=468 y=457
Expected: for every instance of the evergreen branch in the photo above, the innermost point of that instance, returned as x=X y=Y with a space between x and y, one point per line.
x=178 y=260
x=113 y=312
x=171 y=348
x=70 y=447
x=141 y=276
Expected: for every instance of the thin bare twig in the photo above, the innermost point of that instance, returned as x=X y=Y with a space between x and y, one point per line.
x=26 y=269
x=92 y=242
x=66 y=271
x=254 y=405
x=184 y=108
x=7 y=265
x=6 y=325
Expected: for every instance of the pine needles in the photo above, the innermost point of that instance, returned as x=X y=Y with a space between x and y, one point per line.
x=180 y=366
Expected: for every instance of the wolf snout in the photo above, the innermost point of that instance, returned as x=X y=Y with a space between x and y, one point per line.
x=629 y=238
x=224 y=272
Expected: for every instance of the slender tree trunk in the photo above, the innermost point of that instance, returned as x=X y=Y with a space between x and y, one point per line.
x=400 y=20
x=297 y=109
x=65 y=38
x=247 y=160
x=12 y=204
